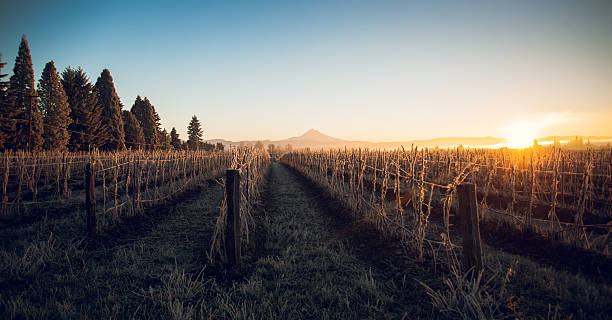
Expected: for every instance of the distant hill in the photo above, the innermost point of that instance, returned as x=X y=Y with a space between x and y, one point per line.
x=314 y=137
x=316 y=140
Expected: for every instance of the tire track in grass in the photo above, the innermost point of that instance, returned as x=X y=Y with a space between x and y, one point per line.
x=308 y=270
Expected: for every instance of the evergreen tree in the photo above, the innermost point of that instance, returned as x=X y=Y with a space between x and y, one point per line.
x=54 y=109
x=175 y=142
x=7 y=112
x=110 y=113
x=164 y=139
x=85 y=128
x=194 y=131
x=29 y=126
x=134 y=137
x=208 y=146
x=149 y=121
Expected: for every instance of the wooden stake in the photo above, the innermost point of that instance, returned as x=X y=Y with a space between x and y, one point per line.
x=470 y=229
x=232 y=232
x=531 y=188
x=90 y=200
x=5 y=180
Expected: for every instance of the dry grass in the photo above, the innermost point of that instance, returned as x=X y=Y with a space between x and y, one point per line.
x=429 y=184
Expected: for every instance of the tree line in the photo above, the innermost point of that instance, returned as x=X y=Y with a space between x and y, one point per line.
x=65 y=112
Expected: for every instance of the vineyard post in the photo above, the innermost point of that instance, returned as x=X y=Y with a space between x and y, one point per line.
x=553 y=209
x=448 y=165
x=470 y=229
x=248 y=175
x=116 y=183
x=90 y=200
x=232 y=225
x=460 y=160
x=5 y=180
x=58 y=174
x=127 y=178
x=66 y=167
x=135 y=186
x=531 y=188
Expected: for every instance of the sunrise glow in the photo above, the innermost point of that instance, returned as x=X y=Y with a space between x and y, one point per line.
x=520 y=135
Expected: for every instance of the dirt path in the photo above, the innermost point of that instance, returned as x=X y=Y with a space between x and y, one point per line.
x=309 y=269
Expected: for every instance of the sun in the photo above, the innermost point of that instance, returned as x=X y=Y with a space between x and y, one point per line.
x=520 y=135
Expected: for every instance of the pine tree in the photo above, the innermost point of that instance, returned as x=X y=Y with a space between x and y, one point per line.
x=134 y=137
x=149 y=121
x=7 y=112
x=110 y=113
x=54 y=109
x=29 y=126
x=194 y=131
x=85 y=128
x=175 y=142
x=165 y=139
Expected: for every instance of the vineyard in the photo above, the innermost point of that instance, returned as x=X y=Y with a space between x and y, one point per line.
x=242 y=233
x=112 y=185
x=565 y=194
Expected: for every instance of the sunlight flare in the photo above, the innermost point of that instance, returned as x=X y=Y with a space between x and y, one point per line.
x=520 y=135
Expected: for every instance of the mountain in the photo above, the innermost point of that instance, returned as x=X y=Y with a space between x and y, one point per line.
x=311 y=139
x=315 y=139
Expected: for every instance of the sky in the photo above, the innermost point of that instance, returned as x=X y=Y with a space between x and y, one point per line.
x=357 y=70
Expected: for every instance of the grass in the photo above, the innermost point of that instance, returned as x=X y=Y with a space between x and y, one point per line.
x=308 y=258
x=539 y=289
x=62 y=276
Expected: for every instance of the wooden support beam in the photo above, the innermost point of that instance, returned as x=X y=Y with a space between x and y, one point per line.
x=90 y=200
x=232 y=231
x=470 y=229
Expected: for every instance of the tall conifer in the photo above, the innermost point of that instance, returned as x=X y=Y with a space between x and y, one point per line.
x=86 y=131
x=194 y=132
x=149 y=121
x=7 y=112
x=175 y=142
x=134 y=138
x=29 y=126
x=110 y=117
x=165 y=139
x=54 y=109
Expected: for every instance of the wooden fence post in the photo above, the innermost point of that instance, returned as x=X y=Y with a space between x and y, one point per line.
x=5 y=180
x=470 y=230
x=248 y=175
x=232 y=225
x=90 y=200
x=137 y=182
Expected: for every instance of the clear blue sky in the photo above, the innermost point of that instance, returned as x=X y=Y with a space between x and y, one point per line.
x=372 y=70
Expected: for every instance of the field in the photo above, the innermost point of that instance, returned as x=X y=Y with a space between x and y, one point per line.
x=325 y=234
